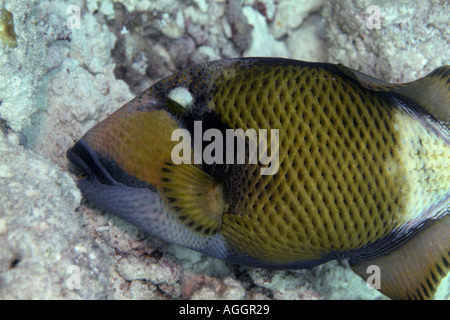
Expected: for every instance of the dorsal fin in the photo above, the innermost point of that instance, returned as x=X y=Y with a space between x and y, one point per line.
x=365 y=80
x=414 y=270
x=196 y=198
x=432 y=92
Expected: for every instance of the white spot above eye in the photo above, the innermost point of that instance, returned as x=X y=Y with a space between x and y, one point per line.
x=182 y=96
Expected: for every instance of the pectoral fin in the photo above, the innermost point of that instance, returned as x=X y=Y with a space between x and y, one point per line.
x=195 y=197
x=414 y=270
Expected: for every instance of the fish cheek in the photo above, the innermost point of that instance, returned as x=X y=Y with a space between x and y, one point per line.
x=141 y=207
x=136 y=144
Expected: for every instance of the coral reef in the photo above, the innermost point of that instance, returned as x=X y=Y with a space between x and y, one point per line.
x=81 y=87
x=40 y=232
x=18 y=90
x=408 y=41
x=77 y=61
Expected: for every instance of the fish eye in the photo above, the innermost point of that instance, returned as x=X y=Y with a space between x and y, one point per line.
x=179 y=100
x=174 y=107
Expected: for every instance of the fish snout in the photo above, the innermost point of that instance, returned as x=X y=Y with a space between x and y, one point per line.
x=128 y=148
x=86 y=163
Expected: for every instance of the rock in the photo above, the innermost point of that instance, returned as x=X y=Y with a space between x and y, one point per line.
x=263 y=43
x=17 y=94
x=307 y=43
x=7 y=34
x=239 y=27
x=290 y=15
x=411 y=41
x=45 y=254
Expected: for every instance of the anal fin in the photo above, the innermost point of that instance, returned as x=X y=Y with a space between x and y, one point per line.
x=195 y=197
x=415 y=270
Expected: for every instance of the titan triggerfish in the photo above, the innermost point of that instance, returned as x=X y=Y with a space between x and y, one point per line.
x=284 y=164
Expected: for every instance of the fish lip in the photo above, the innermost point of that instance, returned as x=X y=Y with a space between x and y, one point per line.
x=77 y=161
x=73 y=156
x=87 y=161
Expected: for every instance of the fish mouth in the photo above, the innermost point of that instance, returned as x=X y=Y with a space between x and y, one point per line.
x=89 y=165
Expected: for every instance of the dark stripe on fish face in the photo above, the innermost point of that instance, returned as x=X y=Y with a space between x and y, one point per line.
x=120 y=176
x=86 y=160
x=97 y=167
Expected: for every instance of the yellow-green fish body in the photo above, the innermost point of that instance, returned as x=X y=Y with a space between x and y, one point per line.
x=361 y=168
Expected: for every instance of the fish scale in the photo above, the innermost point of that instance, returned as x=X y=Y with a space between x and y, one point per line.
x=343 y=201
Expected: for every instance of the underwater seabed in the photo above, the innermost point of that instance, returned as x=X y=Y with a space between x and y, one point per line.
x=66 y=65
